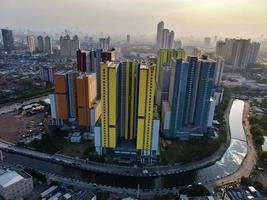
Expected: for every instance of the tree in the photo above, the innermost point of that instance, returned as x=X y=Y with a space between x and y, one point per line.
x=264 y=103
x=257 y=130
x=102 y=195
x=244 y=180
x=259 y=140
x=195 y=190
x=259 y=185
x=263 y=156
x=265 y=190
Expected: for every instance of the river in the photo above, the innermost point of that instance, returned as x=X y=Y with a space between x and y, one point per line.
x=228 y=164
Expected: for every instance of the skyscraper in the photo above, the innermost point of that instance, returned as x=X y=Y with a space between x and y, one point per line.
x=74 y=45
x=238 y=53
x=89 y=61
x=86 y=93
x=8 y=39
x=221 y=49
x=171 y=40
x=162 y=88
x=197 y=52
x=178 y=44
x=40 y=43
x=31 y=43
x=219 y=70
x=109 y=55
x=94 y=66
x=145 y=108
x=128 y=86
x=178 y=96
x=104 y=43
x=186 y=112
x=160 y=28
x=48 y=45
x=253 y=52
x=47 y=73
x=61 y=92
x=204 y=94
x=68 y=46
x=207 y=42
x=109 y=94
x=164 y=57
x=128 y=39
x=82 y=60
x=128 y=114
x=165 y=37
x=75 y=98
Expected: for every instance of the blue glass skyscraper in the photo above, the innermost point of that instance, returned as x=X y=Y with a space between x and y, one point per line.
x=205 y=89
x=191 y=88
x=178 y=96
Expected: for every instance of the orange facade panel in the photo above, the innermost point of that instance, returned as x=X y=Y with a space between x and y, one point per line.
x=60 y=96
x=81 y=118
x=61 y=106
x=84 y=99
x=86 y=89
x=79 y=85
x=60 y=83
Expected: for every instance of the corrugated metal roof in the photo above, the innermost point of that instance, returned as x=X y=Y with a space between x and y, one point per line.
x=9 y=178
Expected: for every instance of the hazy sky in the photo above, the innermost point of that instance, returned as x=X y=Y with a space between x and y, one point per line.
x=244 y=18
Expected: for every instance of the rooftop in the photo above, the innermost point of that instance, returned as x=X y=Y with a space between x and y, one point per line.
x=8 y=178
x=113 y=64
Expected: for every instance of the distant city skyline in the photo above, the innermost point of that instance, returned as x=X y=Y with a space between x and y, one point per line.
x=227 y=18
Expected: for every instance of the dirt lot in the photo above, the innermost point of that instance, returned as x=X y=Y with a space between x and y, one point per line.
x=13 y=125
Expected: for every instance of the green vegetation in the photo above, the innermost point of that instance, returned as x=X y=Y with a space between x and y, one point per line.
x=34 y=91
x=248 y=92
x=195 y=191
x=44 y=145
x=102 y=195
x=264 y=103
x=244 y=180
x=258 y=128
x=89 y=150
x=261 y=81
x=36 y=174
x=187 y=151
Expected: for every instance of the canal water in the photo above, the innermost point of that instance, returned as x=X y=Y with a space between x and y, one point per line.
x=228 y=164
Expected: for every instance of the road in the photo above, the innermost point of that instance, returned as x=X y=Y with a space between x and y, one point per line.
x=249 y=162
x=76 y=182
x=112 y=168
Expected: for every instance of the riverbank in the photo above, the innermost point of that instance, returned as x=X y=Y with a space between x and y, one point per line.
x=64 y=166
x=106 y=168
x=249 y=162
